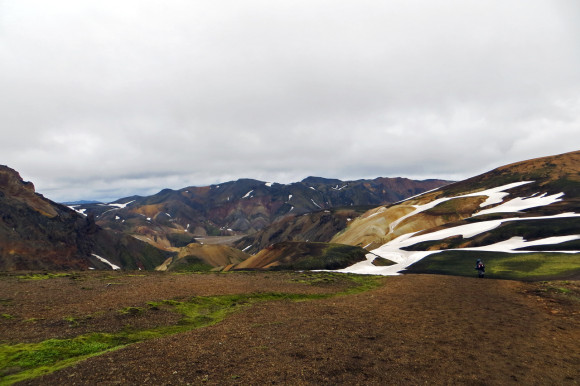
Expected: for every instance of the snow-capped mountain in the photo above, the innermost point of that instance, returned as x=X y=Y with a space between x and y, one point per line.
x=172 y=217
x=521 y=217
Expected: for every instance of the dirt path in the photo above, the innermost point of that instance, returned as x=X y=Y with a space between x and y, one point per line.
x=415 y=329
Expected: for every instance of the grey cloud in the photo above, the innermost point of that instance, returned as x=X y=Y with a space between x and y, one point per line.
x=104 y=99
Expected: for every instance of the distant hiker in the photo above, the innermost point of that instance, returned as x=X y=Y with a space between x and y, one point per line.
x=480 y=267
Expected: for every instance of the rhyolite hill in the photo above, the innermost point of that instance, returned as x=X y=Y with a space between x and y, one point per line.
x=522 y=218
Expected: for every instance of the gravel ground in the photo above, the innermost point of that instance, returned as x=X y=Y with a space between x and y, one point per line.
x=413 y=329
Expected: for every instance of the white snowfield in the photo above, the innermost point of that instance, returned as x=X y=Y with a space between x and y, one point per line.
x=393 y=249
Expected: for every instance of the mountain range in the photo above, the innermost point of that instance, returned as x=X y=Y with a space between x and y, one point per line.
x=523 y=219
x=173 y=218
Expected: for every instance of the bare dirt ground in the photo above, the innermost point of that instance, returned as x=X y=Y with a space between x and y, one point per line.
x=413 y=329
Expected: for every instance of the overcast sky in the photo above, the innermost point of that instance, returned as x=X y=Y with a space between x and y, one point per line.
x=105 y=99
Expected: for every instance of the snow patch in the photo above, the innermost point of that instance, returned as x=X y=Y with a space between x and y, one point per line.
x=115 y=267
x=519 y=204
x=269 y=184
x=518 y=242
x=315 y=203
x=79 y=211
x=121 y=206
x=247 y=194
x=246 y=248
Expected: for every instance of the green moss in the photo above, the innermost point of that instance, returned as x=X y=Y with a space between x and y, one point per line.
x=190 y=263
x=19 y=362
x=42 y=276
x=518 y=266
x=382 y=262
x=132 y=311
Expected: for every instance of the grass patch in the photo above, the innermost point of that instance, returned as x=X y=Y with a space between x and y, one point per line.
x=499 y=265
x=42 y=276
x=382 y=262
x=20 y=362
x=191 y=263
x=131 y=311
x=25 y=361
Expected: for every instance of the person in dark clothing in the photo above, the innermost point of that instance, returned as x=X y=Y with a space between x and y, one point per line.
x=480 y=267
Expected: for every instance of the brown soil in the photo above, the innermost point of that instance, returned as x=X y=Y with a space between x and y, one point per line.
x=413 y=329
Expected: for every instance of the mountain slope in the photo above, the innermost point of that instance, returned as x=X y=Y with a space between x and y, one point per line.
x=243 y=206
x=524 y=207
x=319 y=226
x=36 y=233
x=203 y=257
x=303 y=256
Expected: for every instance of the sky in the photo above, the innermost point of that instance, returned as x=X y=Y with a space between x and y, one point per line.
x=106 y=99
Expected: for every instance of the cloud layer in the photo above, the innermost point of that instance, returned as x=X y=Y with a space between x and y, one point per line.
x=107 y=99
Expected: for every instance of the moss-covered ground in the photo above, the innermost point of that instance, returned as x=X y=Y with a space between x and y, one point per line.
x=29 y=360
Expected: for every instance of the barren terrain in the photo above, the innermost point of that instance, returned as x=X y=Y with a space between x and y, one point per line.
x=411 y=329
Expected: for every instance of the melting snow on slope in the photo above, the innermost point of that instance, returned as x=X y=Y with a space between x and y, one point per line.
x=519 y=204
x=80 y=211
x=248 y=194
x=495 y=195
x=392 y=250
x=518 y=242
x=106 y=261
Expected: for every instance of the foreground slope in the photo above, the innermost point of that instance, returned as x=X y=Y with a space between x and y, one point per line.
x=473 y=332
x=36 y=233
x=521 y=210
